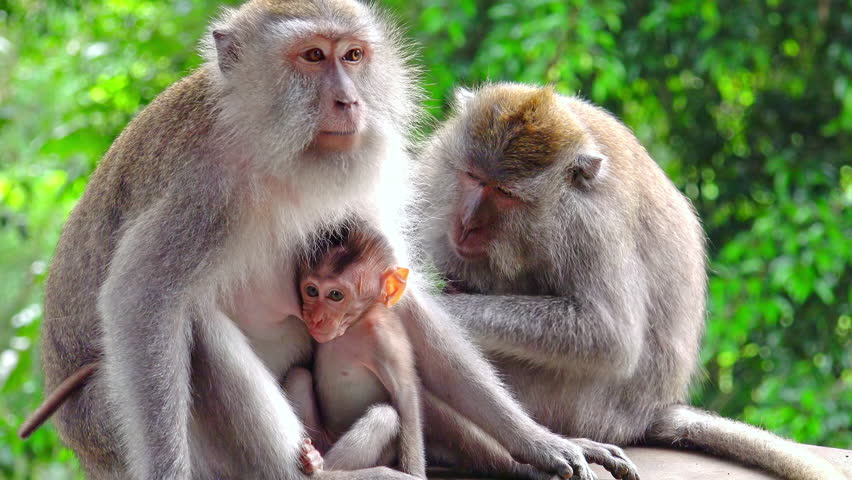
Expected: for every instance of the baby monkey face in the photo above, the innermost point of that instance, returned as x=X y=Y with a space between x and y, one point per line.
x=332 y=303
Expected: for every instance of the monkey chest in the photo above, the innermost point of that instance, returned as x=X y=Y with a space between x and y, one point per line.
x=345 y=386
x=268 y=311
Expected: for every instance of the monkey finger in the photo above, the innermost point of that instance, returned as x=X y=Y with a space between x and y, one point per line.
x=578 y=466
x=528 y=472
x=560 y=456
x=312 y=463
x=312 y=460
x=612 y=458
x=583 y=472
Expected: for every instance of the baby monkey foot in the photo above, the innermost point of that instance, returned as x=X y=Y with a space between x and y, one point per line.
x=311 y=459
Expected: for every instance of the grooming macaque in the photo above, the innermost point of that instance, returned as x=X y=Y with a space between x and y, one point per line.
x=176 y=269
x=361 y=405
x=580 y=269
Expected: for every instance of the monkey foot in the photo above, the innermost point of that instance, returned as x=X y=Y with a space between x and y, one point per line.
x=311 y=459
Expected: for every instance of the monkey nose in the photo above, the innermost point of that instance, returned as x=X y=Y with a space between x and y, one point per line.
x=345 y=104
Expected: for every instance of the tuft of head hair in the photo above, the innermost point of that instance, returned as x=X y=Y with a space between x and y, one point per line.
x=347 y=246
x=518 y=132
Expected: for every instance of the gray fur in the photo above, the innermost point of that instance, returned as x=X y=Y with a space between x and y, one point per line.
x=592 y=300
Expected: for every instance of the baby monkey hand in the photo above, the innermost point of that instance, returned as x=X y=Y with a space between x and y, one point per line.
x=311 y=459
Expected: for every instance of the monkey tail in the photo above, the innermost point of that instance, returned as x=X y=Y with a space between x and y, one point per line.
x=683 y=426
x=55 y=400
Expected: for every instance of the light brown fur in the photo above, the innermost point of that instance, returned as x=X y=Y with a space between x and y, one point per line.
x=526 y=129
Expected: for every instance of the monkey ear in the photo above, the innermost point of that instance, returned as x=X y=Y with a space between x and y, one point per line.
x=586 y=168
x=227 y=49
x=461 y=99
x=393 y=285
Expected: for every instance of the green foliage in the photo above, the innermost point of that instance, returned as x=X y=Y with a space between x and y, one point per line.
x=746 y=105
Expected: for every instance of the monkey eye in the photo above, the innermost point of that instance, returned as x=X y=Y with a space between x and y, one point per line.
x=335 y=295
x=473 y=177
x=504 y=192
x=311 y=291
x=354 y=56
x=313 y=55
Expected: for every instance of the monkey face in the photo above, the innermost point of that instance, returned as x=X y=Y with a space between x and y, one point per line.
x=334 y=66
x=333 y=300
x=510 y=161
x=327 y=308
x=310 y=77
x=480 y=205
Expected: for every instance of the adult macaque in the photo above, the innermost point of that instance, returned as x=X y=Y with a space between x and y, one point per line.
x=361 y=405
x=175 y=270
x=583 y=273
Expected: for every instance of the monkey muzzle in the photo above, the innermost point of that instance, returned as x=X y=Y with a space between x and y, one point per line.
x=323 y=327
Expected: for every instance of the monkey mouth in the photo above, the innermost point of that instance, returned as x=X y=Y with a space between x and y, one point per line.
x=337 y=140
x=471 y=253
x=469 y=245
x=325 y=331
x=339 y=134
x=325 y=337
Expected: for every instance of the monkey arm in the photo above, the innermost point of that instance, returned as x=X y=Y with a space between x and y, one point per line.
x=454 y=370
x=160 y=312
x=393 y=363
x=554 y=331
x=148 y=335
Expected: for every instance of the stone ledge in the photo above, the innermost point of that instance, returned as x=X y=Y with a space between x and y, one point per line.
x=669 y=464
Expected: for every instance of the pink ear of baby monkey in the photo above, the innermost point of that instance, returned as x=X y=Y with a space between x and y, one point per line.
x=393 y=285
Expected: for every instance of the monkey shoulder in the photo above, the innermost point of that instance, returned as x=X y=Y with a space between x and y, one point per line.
x=381 y=332
x=169 y=135
x=386 y=321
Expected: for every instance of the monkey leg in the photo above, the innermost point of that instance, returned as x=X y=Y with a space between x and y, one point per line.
x=299 y=387
x=454 y=441
x=241 y=420
x=368 y=443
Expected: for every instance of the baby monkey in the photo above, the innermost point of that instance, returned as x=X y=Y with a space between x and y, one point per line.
x=360 y=404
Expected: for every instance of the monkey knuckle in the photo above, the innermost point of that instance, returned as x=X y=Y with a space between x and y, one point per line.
x=617 y=451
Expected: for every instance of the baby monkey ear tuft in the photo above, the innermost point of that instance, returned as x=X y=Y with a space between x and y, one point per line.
x=585 y=169
x=227 y=49
x=393 y=285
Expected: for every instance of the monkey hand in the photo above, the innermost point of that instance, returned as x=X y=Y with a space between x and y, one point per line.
x=569 y=458
x=558 y=456
x=311 y=459
x=612 y=458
